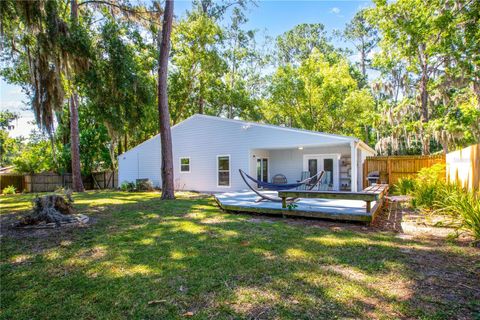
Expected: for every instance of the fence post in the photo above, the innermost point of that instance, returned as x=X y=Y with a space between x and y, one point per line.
x=389 y=171
x=364 y=175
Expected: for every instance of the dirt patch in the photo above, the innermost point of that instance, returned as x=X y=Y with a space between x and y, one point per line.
x=409 y=224
x=446 y=279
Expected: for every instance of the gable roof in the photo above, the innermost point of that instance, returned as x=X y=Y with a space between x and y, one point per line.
x=269 y=126
x=362 y=144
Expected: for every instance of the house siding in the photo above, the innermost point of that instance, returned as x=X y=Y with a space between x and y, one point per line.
x=290 y=162
x=142 y=162
x=202 y=138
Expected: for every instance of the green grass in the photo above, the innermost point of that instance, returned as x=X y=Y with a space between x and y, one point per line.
x=190 y=258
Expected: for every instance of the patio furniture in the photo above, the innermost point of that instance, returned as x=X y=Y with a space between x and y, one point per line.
x=323 y=185
x=279 y=179
x=305 y=175
x=277 y=187
x=375 y=193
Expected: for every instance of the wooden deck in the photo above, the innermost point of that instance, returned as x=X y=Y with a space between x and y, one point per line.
x=374 y=193
x=334 y=209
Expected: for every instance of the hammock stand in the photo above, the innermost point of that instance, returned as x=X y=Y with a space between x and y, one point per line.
x=279 y=187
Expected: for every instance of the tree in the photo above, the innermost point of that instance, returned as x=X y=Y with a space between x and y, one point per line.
x=428 y=47
x=318 y=95
x=197 y=80
x=163 y=111
x=9 y=147
x=363 y=36
x=77 y=183
x=243 y=64
x=35 y=156
x=124 y=92
x=46 y=52
x=297 y=44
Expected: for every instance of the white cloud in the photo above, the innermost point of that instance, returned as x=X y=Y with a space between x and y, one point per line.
x=335 y=10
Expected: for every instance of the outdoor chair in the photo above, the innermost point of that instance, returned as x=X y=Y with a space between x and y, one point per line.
x=323 y=185
x=304 y=175
x=279 y=179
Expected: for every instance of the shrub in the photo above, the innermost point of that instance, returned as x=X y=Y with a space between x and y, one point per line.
x=428 y=185
x=431 y=192
x=9 y=190
x=144 y=185
x=432 y=174
x=463 y=204
x=128 y=186
x=405 y=186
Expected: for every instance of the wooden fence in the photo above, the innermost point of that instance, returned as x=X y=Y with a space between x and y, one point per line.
x=105 y=180
x=48 y=182
x=393 y=168
x=463 y=167
x=16 y=180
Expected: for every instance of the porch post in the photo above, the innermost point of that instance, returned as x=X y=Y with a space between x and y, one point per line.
x=354 y=174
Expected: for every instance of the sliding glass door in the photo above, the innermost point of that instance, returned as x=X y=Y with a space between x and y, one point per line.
x=262 y=169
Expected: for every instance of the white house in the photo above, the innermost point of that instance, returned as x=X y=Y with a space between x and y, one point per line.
x=208 y=151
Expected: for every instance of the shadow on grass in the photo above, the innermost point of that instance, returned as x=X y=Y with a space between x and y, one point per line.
x=187 y=256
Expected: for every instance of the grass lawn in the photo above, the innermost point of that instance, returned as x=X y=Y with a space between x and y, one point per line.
x=144 y=258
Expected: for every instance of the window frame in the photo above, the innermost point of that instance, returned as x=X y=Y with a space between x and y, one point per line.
x=229 y=171
x=189 y=164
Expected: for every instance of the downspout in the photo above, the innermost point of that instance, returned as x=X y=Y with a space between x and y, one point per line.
x=354 y=164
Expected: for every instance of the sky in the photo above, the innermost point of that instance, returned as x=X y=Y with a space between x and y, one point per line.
x=270 y=18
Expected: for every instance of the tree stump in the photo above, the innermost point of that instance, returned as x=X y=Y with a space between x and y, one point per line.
x=50 y=209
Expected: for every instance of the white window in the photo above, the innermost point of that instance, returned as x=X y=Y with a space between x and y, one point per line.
x=223 y=168
x=185 y=164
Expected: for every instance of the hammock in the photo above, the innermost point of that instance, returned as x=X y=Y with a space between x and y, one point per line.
x=278 y=187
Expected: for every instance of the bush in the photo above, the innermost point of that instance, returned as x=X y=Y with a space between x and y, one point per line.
x=463 y=204
x=428 y=185
x=128 y=186
x=144 y=185
x=431 y=192
x=9 y=190
x=405 y=186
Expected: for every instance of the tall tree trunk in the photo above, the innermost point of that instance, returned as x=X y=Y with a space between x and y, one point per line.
x=111 y=151
x=232 y=82
x=424 y=110
x=363 y=58
x=445 y=147
x=119 y=147
x=201 y=102
x=367 y=134
x=77 y=184
x=163 y=111
x=424 y=94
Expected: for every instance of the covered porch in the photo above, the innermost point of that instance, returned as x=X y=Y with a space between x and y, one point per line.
x=341 y=162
